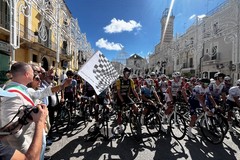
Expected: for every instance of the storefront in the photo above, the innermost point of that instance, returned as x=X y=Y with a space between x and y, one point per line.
x=4 y=60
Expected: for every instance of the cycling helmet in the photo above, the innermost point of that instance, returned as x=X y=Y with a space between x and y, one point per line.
x=238 y=82
x=163 y=76
x=176 y=74
x=193 y=79
x=205 y=80
x=152 y=74
x=134 y=76
x=149 y=82
x=127 y=69
x=227 y=78
x=219 y=74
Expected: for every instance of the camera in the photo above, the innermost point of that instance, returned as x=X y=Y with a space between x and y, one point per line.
x=27 y=114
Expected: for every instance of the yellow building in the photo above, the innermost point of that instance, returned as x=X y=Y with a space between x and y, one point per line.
x=45 y=35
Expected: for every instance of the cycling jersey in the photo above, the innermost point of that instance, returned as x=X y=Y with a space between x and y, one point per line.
x=124 y=85
x=233 y=92
x=199 y=90
x=216 y=90
x=147 y=92
x=175 y=86
x=163 y=86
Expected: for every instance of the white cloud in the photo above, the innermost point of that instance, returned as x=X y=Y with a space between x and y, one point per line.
x=102 y=43
x=202 y=16
x=199 y=16
x=118 y=26
x=192 y=17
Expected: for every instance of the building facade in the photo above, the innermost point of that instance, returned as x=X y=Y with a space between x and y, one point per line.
x=42 y=32
x=210 y=45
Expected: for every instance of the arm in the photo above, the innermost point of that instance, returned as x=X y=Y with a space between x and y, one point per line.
x=34 y=150
x=134 y=91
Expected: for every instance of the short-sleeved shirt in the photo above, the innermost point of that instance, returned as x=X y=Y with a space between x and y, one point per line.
x=233 y=92
x=216 y=90
x=199 y=90
x=69 y=89
x=124 y=85
x=147 y=92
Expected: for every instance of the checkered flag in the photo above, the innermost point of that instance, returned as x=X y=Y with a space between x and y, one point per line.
x=98 y=72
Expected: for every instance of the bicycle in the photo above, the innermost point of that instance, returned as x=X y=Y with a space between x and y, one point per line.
x=128 y=117
x=62 y=117
x=176 y=122
x=209 y=125
x=94 y=130
x=152 y=120
x=86 y=107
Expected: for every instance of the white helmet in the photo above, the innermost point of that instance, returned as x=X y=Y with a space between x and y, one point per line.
x=149 y=82
x=152 y=74
x=227 y=78
x=163 y=76
x=176 y=74
x=238 y=82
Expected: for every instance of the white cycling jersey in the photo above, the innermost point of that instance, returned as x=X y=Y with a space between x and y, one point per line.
x=199 y=90
x=233 y=92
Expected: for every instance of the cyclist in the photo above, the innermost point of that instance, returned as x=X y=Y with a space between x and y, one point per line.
x=136 y=83
x=148 y=92
x=227 y=84
x=163 y=85
x=197 y=100
x=102 y=100
x=69 y=92
x=233 y=101
x=190 y=85
x=175 y=88
x=124 y=86
x=217 y=89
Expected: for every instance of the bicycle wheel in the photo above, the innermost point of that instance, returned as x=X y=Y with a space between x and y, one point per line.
x=178 y=126
x=63 y=120
x=116 y=130
x=212 y=130
x=153 y=124
x=135 y=127
x=223 y=122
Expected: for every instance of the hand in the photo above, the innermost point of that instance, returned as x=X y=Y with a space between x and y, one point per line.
x=41 y=115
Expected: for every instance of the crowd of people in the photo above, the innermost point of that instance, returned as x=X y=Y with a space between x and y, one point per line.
x=31 y=85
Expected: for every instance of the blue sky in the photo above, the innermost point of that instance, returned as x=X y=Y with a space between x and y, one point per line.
x=134 y=25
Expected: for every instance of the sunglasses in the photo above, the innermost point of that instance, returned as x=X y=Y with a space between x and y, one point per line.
x=37 y=78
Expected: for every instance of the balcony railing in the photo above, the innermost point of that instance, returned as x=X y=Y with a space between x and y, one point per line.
x=29 y=35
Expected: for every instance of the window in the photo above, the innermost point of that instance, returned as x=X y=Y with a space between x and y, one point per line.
x=191 y=63
x=177 y=61
x=214 y=53
x=34 y=58
x=215 y=28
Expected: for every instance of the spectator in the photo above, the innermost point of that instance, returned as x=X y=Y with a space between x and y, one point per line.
x=22 y=74
x=33 y=153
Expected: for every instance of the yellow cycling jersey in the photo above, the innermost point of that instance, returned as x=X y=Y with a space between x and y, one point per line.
x=124 y=85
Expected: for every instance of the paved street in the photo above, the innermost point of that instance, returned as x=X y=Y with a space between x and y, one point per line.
x=73 y=145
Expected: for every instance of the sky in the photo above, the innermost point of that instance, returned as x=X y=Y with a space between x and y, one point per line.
x=133 y=26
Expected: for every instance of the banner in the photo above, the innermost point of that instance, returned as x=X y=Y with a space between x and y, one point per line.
x=98 y=72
